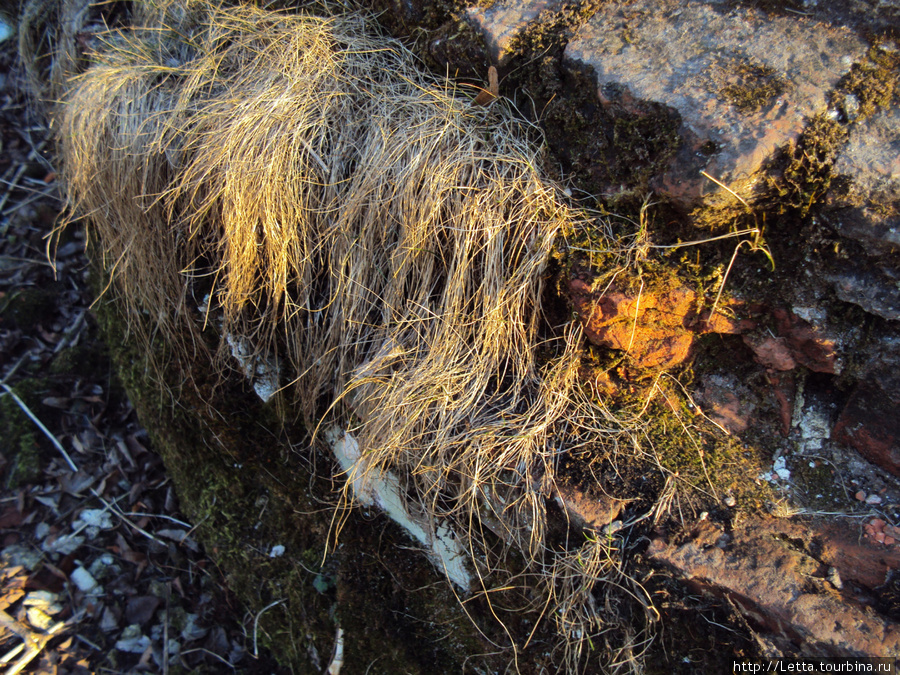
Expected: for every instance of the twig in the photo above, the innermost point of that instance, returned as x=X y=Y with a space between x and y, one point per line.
x=40 y=425
x=697 y=242
x=712 y=312
x=256 y=624
x=16 y=366
x=637 y=313
x=206 y=651
x=70 y=333
x=119 y=514
x=12 y=653
x=725 y=187
x=136 y=514
x=13 y=184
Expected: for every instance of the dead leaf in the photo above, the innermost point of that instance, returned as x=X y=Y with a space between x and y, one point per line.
x=13 y=588
x=137 y=448
x=486 y=96
x=123 y=448
x=75 y=484
x=10 y=517
x=60 y=402
x=140 y=609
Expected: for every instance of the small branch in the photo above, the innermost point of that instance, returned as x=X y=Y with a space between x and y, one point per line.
x=256 y=624
x=120 y=515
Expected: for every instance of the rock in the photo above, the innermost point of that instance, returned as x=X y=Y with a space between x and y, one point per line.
x=742 y=82
x=768 y=571
x=502 y=22
x=865 y=286
x=771 y=352
x=784 y=387
x=798 y=342
x=810 y=345
x=863 y=206
x=870 y=421
x=727 y=402
x=656 y=328
x=588 y=507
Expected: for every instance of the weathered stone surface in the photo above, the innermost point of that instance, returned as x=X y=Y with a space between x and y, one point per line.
x=770 y=572
x=797 y=342
x=870 y=422
x=588 y=507
x=503 y=21
x=867 y=286
x=726 y=401
x=810 y=345
x=784 y=388
x=871 y=162
x=744 y=83
x=771 y=352
x=656 y=328
x=864 y=206
x=834 y=543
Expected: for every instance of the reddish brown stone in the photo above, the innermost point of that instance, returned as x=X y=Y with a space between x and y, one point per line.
x=808 y=344
x=837 y=544
x=785 y=388
x=657 y=329
x=727 y=402
x=870 y=422
x=780 y=577
x=772 y=352
x=588 y=508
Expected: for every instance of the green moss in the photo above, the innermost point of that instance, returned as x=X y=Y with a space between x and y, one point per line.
x=873 y=84
x=816 y=486
x=674 y=440
x=86 y=359
x=25 y=464
x=806 y=167
x=241 y=480
x=754 y=88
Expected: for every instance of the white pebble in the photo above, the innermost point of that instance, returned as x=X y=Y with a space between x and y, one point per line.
x=83 y=579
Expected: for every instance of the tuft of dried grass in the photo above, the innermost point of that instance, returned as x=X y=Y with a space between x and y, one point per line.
x=358 y=222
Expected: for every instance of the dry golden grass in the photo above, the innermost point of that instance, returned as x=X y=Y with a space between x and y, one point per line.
x=384 y=239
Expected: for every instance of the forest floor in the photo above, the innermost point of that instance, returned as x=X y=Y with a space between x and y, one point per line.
x=99 y=572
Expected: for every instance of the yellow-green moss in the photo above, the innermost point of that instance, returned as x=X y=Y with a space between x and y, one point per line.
x=755 y=86
x=874 y=83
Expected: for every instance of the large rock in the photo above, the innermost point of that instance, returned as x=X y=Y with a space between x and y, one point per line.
x=502 y=22
x=802 y=587
x=743 y=83
x=870 y=422
x=864 y=206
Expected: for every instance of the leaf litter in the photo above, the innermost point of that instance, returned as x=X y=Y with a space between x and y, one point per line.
x=99 y=572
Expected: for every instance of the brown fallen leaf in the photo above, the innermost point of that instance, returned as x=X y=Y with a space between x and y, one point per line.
x=140 y=609
x=60 y=402
x=10 y=517
x=75 y=484
x=485 y=96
